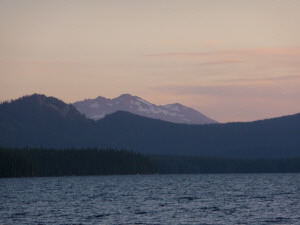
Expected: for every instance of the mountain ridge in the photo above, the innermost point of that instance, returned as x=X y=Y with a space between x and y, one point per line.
x=99 y=107
x=28 y=122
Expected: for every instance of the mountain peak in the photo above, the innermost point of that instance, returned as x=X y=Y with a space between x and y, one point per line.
x=177 y=113
x=48 y=103
x=100 y=98
x=125 y=96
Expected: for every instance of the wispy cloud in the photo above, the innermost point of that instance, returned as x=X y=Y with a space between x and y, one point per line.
x=219 y=62
x=266 y=79
x=240 y=53
x=270 y=58
x=203 y=58
x=276 y=88
x=182 y=54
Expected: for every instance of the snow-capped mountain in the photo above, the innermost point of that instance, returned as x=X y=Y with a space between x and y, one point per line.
x=177 y=113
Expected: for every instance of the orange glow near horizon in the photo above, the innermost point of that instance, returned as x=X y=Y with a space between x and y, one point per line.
x=231 y=60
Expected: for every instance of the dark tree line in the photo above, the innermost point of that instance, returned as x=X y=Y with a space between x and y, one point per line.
x=29 y=162
x=192 y=164
x=72 y=162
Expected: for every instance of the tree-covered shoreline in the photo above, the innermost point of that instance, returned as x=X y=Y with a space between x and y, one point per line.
x=40 y=162
x=34 y=162
x=173 y=164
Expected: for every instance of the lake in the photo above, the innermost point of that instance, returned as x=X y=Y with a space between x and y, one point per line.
x=152 y=199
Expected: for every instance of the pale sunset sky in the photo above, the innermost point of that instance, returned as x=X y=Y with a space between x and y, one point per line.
x=231 y=60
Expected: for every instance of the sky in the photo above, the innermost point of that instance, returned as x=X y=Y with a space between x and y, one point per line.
x=231 y=60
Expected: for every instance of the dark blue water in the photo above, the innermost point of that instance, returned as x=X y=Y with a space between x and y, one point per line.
x=157 y=199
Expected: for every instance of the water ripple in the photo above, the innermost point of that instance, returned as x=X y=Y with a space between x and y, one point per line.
x=160 y=199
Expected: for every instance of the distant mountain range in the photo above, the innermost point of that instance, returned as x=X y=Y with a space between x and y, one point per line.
x=37 y=120
x=100 y=107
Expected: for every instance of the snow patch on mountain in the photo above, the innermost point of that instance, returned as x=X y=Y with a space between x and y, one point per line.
x=143 y=101
x=100 y=107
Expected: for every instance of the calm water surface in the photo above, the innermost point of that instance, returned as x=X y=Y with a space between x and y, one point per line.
x=156 y=199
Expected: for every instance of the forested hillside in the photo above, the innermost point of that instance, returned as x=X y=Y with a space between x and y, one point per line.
x=37 y=120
